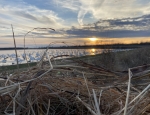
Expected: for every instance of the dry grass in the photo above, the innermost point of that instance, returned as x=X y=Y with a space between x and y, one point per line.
x=121 y=61
x=73 y=87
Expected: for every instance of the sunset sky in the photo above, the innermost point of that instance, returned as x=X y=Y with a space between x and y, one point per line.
x=75 y=21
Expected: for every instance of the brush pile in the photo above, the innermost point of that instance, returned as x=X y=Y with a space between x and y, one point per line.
x=73 y=87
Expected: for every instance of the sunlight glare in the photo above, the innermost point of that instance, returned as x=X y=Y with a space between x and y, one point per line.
x=93 y=39
x=93 y=50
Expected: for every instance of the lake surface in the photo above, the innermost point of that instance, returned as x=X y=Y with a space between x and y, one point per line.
x=8 y=57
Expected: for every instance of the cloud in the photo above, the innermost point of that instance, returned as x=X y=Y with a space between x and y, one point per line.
x=30 y=16
x=88 y=7
x=114 y=28
x=104 y=9
x=69 y=4
x=3 y=43
x=98 y=18
x=108 y=28
x=11 y=36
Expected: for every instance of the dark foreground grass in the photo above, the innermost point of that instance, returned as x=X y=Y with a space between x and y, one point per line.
x=120 y=61
x=14 y=67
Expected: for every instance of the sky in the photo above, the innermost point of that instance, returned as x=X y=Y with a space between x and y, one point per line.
x=74 y=21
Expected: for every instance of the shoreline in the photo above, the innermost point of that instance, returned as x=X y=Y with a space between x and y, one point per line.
x=116 y=61
x=109 y=46
x=31 y=64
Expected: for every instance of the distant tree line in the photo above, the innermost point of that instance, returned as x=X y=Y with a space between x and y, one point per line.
x=102 y=46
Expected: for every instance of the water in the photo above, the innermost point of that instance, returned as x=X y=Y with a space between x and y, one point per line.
x=8 y=57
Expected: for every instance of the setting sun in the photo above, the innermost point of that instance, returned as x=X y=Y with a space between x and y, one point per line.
x=93 y=39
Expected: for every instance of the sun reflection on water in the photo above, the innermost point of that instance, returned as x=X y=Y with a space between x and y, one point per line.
x=92 y=51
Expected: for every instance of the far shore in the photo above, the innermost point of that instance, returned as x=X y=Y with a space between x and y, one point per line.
x=107 y=46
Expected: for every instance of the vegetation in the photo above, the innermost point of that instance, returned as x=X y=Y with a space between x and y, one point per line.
x=89 y=85
x=14 y=67
x=120 y=61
